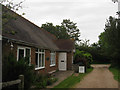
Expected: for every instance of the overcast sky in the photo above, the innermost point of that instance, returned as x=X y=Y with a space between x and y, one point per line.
x=90 y=15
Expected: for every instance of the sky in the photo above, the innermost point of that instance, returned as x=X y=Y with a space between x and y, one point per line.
x=90 y=15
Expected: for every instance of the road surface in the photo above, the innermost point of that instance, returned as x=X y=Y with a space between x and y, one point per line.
x=100 y=77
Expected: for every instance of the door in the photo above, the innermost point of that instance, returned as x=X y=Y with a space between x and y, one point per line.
x=62 y=61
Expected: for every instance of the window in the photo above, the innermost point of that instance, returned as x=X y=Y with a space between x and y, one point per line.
x=27 y=55
x=39 y=59
x=21 y=53
x=24 y=52
x=52 y=59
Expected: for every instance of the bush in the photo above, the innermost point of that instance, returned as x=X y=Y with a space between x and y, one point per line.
x=82 y=56
x=40 y=85
x=41 y=81
x=13 y=68
x=51 y=80
x=89 y=59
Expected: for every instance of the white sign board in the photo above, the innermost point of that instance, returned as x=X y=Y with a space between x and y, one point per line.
x=81 y=69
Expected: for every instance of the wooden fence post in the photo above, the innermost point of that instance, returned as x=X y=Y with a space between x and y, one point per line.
x=21 y=84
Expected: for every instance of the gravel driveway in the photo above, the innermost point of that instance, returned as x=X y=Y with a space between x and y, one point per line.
x=100 y=77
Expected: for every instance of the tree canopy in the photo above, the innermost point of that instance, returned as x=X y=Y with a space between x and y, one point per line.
x=71 y=29
x=9 y=4
x=109 y=40
x=67 y=30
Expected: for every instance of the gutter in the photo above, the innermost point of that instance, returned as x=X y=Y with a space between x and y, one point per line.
x=26 y=43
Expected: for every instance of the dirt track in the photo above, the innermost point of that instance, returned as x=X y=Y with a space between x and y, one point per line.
x=100 y=77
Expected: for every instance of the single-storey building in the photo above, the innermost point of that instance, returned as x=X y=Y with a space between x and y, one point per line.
x=45 y=51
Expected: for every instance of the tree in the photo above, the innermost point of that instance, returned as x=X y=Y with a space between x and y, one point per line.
x=71 y=29
x=82 y=56
x=11 y=69
x=7 y=4
x=58 y=31
x=62 y=33
x=67 y=30
x=11 y=5
x=85 y=43
x=109 y=40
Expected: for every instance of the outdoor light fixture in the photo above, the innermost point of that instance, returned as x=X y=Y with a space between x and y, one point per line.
x=8 y=41
x=73 y=50
x=11 y=46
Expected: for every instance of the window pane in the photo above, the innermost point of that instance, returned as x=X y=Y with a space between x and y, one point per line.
x=27 y=52
x=52 y=58
x=21 y=54
x=40 y=61
x=28 y=55
x=36 y=60
x=42 y=50
x=36 y=50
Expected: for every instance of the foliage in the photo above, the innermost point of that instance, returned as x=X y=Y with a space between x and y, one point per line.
x=11 y=5
x=82 y=55
x=109 y=40
x=12 y=69
x=41 y=81
x=50 y=81
x=71 y=29
x=66 y=30
x=8 y=5
x=72 y=80
x=96 y=52
x=116 y=73
x=84 y=43
x=78 y=54
x=57 y=30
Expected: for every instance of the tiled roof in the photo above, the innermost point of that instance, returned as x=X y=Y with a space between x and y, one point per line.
x=65 y=44
x=28 y=33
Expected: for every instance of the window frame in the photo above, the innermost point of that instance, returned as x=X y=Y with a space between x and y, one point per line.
x=39 y=51
x=51 y=59
x=24 y=48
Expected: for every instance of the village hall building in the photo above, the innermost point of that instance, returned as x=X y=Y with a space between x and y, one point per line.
x=45 y=51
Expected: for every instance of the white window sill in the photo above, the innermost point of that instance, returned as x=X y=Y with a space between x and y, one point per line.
x=52 y=65
x=39 y=68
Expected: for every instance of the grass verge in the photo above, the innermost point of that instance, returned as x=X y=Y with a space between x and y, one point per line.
x=72 y=80
x=116 y=73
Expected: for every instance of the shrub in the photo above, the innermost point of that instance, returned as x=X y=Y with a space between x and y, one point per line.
x=89 y=59
x=82 y=56
x=13 y=68
x=41 y=81
x=40 y=84
x=51 y=80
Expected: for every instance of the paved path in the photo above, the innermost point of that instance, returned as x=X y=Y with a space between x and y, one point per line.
x=61 y=75
x=100 y=77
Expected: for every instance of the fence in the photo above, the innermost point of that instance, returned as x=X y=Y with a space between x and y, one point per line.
x=19 y=81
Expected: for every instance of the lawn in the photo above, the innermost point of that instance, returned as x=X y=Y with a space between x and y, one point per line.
x=72 y=80
x=116 y=73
